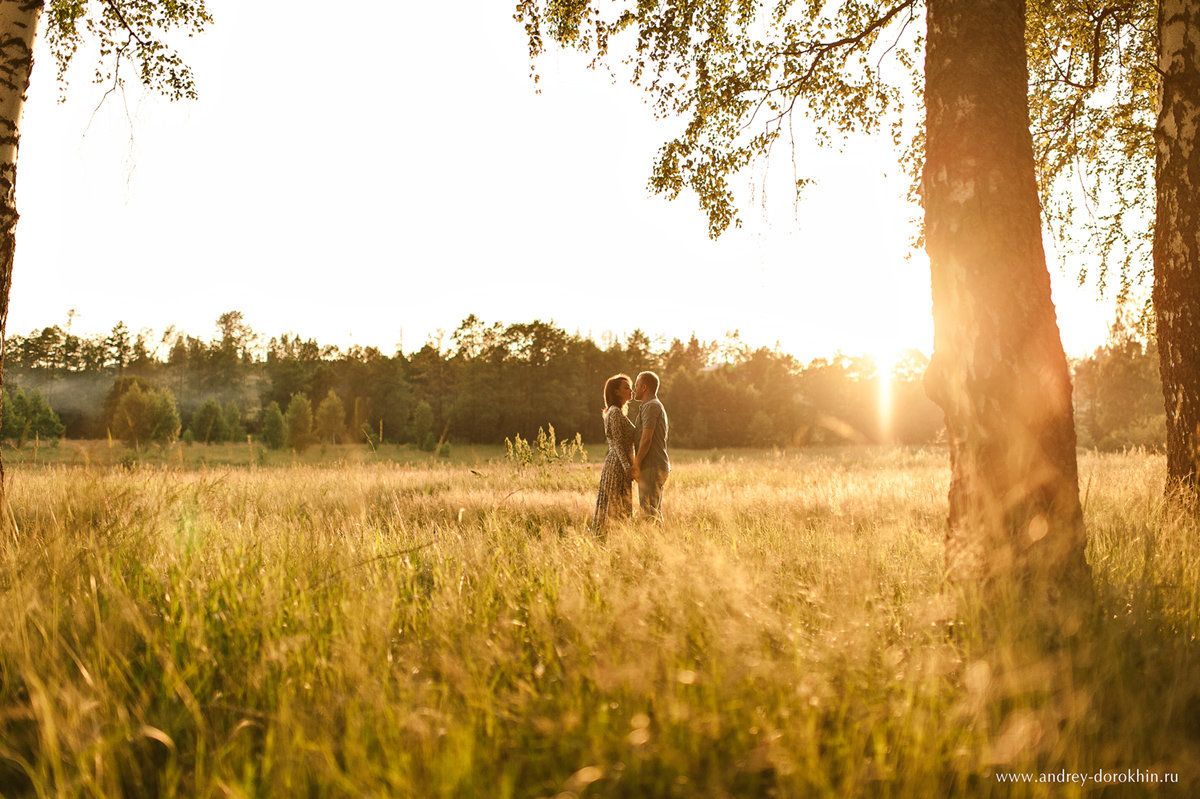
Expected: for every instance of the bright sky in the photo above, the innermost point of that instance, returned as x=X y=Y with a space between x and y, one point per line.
x=375 y=183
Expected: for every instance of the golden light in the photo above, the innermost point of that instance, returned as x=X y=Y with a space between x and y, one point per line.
x=886 y=357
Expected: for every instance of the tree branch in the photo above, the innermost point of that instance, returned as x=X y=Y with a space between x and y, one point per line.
x=821 y=50
x=896 y=43
x=1094 y=55
x=124 y=22
x=116 y=84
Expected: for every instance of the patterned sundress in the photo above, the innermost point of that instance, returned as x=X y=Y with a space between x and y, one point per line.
x=615 y=499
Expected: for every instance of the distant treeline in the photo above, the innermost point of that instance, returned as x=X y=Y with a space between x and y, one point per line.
x=492 y=382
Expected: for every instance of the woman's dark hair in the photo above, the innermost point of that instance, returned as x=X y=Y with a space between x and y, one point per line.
x=610 y=391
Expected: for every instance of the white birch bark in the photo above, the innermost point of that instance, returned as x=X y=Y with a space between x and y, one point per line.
x=1177 y=236
x=18 y=29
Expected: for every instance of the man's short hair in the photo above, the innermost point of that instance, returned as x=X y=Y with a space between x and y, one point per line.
x=651 y=380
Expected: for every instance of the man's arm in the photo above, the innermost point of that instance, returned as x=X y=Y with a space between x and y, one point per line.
x=643 y=447
x=649 y=418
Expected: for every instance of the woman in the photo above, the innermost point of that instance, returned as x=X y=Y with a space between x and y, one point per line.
x=615 y=500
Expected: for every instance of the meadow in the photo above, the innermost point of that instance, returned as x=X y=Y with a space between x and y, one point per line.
x=355 y=623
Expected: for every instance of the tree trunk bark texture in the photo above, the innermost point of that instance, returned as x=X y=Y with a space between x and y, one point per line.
x=1177 y=236
x=18 y=28
x=998 y=369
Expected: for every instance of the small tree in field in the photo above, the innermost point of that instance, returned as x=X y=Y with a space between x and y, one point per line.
x=41 y=418
x=208 y=425
x=274 y=427
x=108 y=410
x=234 y=426
x=12 y=419
x=145 y=415
x=300 y=422
x=422 y=425
x=26 y=414
x=167 y=422
x=331 y=418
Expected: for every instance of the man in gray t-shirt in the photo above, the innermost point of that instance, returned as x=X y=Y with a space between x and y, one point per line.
x=650 y=461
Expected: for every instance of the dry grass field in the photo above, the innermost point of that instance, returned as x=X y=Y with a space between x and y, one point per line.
x=347 y=625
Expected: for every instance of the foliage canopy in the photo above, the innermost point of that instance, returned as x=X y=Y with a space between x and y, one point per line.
x=128 y=31
x=1093 y=88
x=737 y=69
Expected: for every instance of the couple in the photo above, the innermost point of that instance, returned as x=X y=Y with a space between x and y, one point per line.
x=634 y=453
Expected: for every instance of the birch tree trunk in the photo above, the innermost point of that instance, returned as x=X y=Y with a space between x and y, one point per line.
x=998 y=369
x=1177 y=236
x=18 y=28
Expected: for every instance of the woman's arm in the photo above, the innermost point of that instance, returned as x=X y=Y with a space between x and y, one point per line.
x=624 y=445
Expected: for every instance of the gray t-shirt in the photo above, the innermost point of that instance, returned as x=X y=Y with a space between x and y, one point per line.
x=652 y=416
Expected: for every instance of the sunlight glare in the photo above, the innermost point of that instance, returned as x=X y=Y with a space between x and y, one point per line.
x=886 y=358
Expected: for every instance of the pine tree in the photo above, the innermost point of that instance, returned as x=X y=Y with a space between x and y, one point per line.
x=331 y=418
x=274 y=427
x=422 y=425
x=208 y=424
x=234 y=426
x=300 y=422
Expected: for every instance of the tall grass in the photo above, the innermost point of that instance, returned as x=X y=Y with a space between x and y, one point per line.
x=451 y=630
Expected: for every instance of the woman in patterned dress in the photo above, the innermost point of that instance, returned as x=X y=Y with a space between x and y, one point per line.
x=615 y=500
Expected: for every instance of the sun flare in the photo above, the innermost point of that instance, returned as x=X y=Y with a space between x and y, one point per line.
x=886 y=358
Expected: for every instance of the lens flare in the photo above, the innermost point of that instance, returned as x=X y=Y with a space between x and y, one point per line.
x=885 y=366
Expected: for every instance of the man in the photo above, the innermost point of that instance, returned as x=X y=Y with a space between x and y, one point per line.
x=651 y=464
